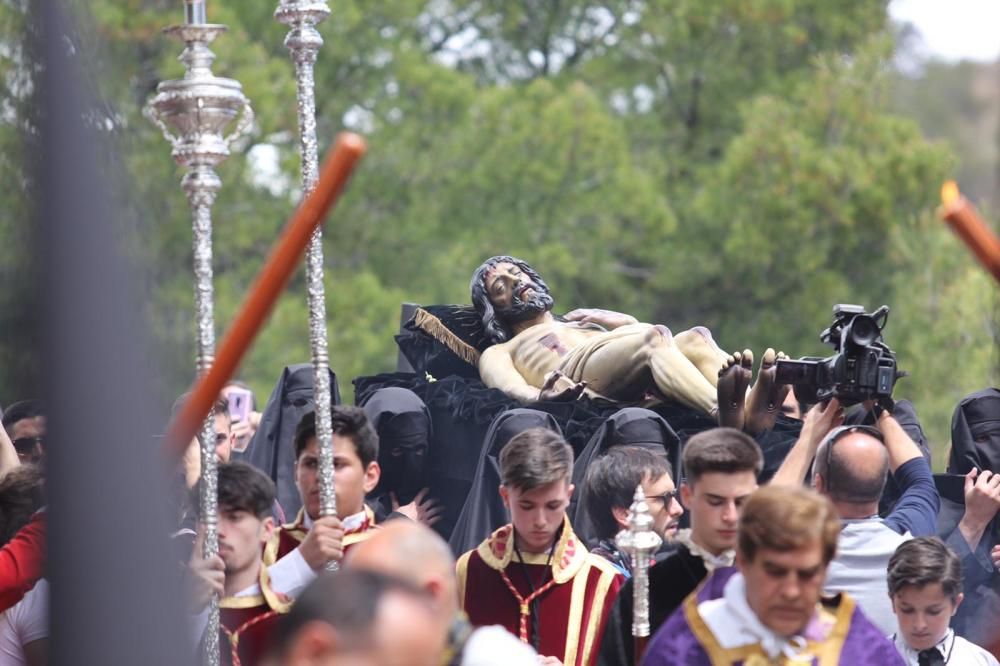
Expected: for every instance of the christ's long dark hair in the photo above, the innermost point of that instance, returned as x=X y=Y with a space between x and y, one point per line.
x=496 y=331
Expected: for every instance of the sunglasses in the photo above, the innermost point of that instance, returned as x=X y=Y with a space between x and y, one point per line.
x=25 y=445
x=666 y=497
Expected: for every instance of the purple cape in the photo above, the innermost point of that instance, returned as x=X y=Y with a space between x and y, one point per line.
x=678 y=643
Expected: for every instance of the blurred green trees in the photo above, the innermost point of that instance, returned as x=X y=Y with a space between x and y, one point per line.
x=734 y=163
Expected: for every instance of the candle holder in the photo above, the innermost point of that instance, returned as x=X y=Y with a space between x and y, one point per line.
x=640 y=542
x=193 y=114
x=303 y=42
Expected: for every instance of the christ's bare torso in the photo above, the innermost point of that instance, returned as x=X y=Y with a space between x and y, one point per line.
x=539 y=350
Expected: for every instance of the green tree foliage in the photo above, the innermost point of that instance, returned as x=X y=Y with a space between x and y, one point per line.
x=732 y=163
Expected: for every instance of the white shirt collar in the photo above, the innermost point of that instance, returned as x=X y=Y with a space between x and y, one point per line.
x=352 y=522
x=712 y=562
x=943 y=646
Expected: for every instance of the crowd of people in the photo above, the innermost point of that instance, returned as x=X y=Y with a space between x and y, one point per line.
x=841 y=547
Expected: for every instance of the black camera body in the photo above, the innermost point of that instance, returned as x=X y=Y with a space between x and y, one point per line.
x=862 y=368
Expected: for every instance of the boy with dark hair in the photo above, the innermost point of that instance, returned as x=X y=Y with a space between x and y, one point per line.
x=300 y=549
x=609 y=489
x=721 y=466
x=249 y=607
x=533 y=576
x=925 y=585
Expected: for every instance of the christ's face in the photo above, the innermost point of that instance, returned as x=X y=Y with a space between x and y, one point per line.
x=513 y=293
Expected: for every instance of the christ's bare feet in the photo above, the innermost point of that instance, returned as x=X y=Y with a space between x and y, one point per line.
x=764 y=401
x=734 y=377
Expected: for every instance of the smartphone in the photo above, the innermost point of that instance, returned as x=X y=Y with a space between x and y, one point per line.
x=239 y=403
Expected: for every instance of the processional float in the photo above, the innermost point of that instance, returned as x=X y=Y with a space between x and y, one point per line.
x=193 y=114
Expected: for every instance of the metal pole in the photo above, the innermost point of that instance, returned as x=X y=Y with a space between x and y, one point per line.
x=199 y=107
x=640 y=541
x=303 y=42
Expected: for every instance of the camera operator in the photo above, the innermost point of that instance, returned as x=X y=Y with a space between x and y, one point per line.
x=851 y=464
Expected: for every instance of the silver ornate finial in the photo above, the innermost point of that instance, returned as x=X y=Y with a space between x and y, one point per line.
x=640 y=541
x=193 y=114
x=303 y=42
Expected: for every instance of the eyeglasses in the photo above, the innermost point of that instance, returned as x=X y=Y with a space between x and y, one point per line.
x=24 y=445
x=666 y=497
x=838 y=434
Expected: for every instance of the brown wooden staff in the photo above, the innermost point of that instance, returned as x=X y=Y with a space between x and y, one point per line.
x=270 y=282
x=963 y=219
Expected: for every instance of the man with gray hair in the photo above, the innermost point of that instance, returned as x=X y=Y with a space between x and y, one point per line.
x=851 y=465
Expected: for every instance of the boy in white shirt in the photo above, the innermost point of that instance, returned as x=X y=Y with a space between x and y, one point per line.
x=925 y=586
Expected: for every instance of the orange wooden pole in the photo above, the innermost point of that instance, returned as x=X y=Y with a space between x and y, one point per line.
x=963 y=219
x=270 y=282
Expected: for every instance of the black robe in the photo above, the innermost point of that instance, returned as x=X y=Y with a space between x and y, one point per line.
x=272 y=449
x=403 y=425
x=670 y=582
x=484 y=511
x=631 y=426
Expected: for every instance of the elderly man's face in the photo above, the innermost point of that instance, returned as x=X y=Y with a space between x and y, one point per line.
x=783 y=587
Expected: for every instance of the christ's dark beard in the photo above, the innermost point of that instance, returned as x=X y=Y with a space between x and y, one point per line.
x=538 y=301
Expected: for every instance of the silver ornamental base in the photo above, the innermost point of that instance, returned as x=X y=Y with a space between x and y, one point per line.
x=640 y=542
x=193 y=114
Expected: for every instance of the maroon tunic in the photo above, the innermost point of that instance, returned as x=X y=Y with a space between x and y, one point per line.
x=578 y=590
x=288 y=537
x=247 y=623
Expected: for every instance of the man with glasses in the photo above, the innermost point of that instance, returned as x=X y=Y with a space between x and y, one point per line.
x=25 y=424
x=851 y=465
x=609 y=489
x=721 y=466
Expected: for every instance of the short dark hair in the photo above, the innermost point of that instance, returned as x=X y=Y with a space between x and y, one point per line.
x=924 y=561
x=721 y=450
x=220 y=406
x=348 y=600
x=242 y=487
x=611 y=482
x=18 y=411
x=347 y=421
x=534 y=458
x=21 y=495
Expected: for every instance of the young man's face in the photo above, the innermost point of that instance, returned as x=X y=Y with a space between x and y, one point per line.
x=715 y=501
x=241 y=537
x=924 y=614
x=351 y=480
x=537 y=514
x=28 y=436
x=223 y=437
x=783 y=587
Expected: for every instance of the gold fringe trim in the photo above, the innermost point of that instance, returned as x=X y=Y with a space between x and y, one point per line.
x=431 y=325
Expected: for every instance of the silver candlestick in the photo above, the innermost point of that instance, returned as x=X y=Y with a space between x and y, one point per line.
x=303 y=42
x=193 y=114
x=640 y=541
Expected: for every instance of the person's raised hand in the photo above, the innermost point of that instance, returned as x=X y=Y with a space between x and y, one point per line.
x=207 y=575
x=422 y=509
x=982 y=497
x=995 y=556
x=550 y=393
x=607 y=318
x=820 y=420
x=324 y=542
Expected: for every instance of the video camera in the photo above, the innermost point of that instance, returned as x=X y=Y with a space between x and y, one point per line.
x=862 y=368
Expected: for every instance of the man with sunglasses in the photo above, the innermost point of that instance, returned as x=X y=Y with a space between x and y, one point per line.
x=25 y=424
x=609 y=489
x=850 y=466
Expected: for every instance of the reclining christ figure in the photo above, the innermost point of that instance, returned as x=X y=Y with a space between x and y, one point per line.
x=536 y=357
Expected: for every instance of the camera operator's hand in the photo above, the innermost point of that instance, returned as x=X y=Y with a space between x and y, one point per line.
x=821 y=419
x=982 y=501
x=323 y=543
x=900 y=447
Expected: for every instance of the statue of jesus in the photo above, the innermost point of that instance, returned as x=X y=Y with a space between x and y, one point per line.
x=608 y=354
